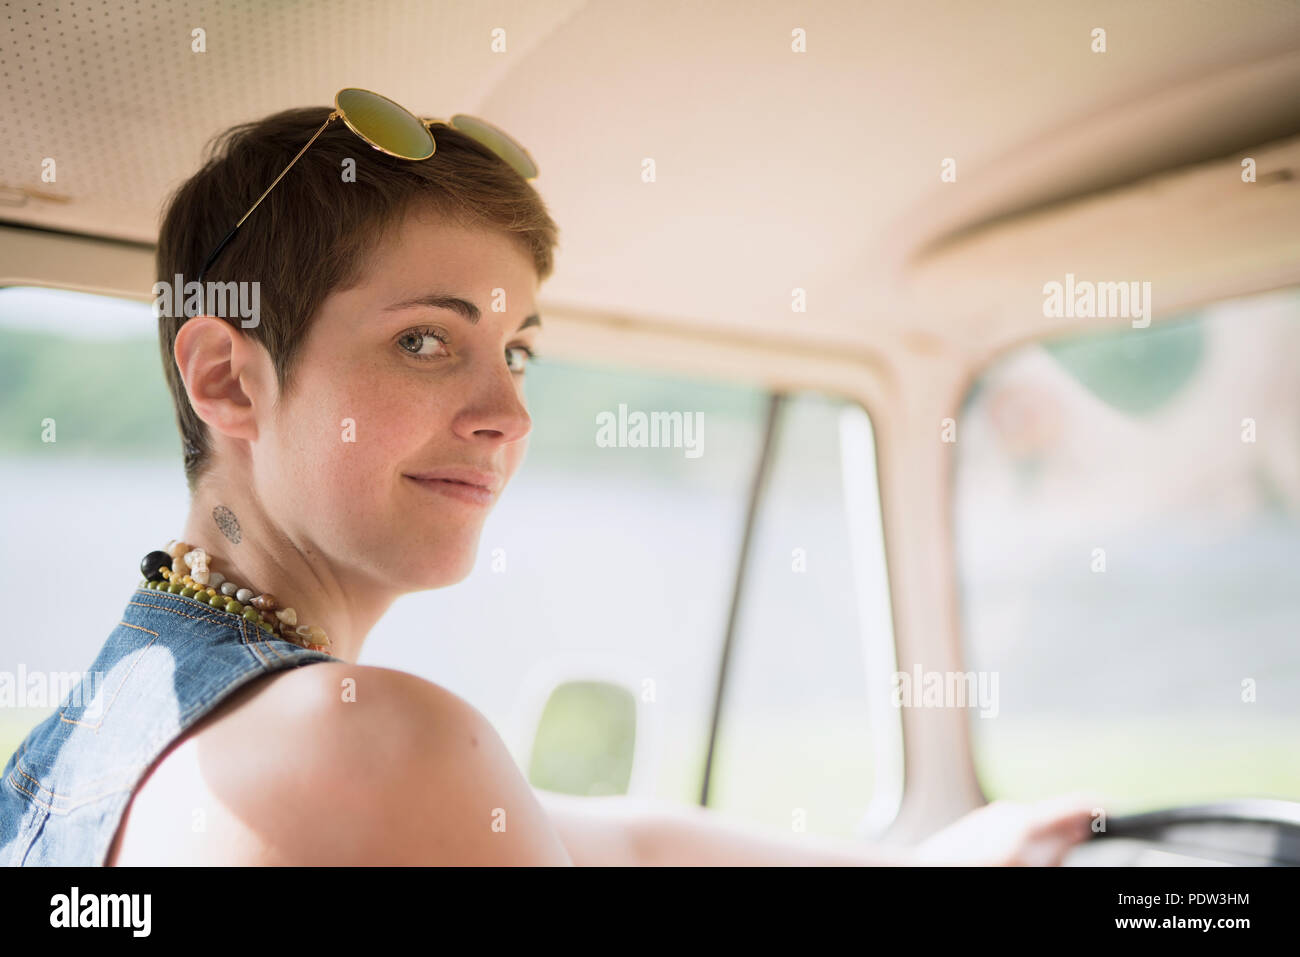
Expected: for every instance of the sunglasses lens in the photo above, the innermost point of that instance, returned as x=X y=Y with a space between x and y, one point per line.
x=385 y=124
x=498 y=142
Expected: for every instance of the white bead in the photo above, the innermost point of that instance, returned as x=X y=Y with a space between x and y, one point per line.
x=200 y=575
x=243 y=596
x=215 y=579
x=196 y=558
x=229 y=588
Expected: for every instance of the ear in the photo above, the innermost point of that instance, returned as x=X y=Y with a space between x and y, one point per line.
x=225 y=375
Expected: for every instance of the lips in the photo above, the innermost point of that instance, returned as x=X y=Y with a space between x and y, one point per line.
x=468 y=485
x=459 y=475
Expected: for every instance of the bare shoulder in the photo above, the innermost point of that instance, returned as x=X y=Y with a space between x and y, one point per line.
x=338 y=764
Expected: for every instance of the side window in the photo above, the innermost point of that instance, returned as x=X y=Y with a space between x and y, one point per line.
x=797 y=746
x=610 y=560
x=1128 y=532
x=90 y=463
x=610 y=557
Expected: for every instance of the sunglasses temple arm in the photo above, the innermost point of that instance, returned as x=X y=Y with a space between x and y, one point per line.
x=231 y=235
x=212 y=257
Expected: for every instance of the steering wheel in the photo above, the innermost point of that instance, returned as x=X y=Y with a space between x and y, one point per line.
x=1250 y=831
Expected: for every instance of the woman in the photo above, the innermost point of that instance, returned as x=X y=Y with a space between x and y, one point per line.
x=343 y=446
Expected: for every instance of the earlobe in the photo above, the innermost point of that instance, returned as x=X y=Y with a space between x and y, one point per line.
x=215 y=361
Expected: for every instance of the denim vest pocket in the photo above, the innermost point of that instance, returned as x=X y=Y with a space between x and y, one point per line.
x=164 y=651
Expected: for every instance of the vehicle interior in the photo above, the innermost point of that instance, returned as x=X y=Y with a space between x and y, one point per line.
x=949 y=530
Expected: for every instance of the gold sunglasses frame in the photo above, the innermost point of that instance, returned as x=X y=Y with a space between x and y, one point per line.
x=339 y=113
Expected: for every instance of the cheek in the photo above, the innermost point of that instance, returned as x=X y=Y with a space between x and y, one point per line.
x=384 y=428
x=345 y=436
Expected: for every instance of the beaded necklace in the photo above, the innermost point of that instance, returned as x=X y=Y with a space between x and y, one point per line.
x=184 y=570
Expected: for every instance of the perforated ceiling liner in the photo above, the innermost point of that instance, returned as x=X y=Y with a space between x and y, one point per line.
x=803 y=167
x=113 y=92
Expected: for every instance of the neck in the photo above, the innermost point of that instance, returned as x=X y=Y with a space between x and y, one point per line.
x=248 y=548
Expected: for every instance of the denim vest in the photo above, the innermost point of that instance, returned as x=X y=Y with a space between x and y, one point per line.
x=170 y=661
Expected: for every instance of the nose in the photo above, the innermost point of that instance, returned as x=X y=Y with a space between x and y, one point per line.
x=494 y=408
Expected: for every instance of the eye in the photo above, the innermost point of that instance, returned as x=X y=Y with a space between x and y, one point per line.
x=518 y=357
x=419 y=337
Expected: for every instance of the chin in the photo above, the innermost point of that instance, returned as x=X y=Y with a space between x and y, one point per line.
x=439 y=576
x=448 y=568
x=456 y=572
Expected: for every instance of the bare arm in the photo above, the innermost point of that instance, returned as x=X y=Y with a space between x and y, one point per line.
x=597 y=831
x=623 y=832
x=402 y=774
x=693 y=835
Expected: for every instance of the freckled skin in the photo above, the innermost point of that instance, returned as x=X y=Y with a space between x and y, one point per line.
x=333 y=525
x=328 y=520
x=464 y=409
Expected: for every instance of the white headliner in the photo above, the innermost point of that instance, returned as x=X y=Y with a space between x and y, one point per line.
x=775 y=169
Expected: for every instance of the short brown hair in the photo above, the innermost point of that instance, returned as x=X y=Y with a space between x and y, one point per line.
x=312 y=234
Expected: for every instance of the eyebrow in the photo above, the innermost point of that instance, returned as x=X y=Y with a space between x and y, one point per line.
x=467 y=309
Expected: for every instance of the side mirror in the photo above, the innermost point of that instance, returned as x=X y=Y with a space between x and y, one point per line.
x=585 y=742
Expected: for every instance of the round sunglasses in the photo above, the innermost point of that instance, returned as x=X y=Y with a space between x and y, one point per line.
x=395 y=130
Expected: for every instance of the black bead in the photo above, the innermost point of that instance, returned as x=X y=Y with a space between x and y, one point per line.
x=150 y=565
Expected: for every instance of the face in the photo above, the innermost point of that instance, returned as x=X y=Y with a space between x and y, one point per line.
x=397 y=380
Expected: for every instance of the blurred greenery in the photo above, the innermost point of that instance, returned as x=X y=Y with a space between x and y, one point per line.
x=566 y=398
x=1134 y=370
x=44 y=375
x=62 y=374
x=50 y=376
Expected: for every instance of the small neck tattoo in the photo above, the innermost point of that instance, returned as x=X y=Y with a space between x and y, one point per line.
x=228 y=524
